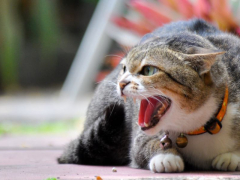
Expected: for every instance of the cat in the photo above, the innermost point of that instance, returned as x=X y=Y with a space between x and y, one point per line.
x=181 y=86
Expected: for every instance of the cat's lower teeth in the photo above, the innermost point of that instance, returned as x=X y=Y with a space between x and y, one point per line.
x=146 y=125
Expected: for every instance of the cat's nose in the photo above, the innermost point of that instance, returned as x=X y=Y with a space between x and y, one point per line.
x=123 y=84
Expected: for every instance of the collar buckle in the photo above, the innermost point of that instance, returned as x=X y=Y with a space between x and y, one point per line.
x=213 y=126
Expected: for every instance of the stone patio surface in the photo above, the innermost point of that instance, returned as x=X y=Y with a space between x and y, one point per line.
x=38 y=162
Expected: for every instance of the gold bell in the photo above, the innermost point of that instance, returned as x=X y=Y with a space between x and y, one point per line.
x=182 y=141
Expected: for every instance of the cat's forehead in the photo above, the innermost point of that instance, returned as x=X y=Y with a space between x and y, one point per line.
x=141 y=55
x=164 y=44
x=136 y=54
x=134 y=59
x=139 y=52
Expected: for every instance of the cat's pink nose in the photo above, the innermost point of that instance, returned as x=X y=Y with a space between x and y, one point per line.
x=123 y=84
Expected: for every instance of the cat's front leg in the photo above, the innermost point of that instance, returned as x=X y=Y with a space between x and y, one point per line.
x=147 y=153
x=166 y=163
x=227 y=162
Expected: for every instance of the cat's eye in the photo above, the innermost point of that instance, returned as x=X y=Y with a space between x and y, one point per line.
x=149 y=70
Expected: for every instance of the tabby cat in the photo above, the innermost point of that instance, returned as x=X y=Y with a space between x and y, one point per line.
x=181 y=84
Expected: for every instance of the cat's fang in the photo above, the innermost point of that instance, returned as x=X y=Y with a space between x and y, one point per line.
x=146 y=124
x=124 y=98
x=134 y=100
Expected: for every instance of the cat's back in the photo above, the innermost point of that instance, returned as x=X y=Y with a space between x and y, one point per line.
x=197 y=26
x=224 y=41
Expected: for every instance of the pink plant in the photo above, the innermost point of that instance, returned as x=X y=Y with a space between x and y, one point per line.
x=158 y=13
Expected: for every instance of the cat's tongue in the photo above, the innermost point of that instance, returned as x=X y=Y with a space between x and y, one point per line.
x=146 y=110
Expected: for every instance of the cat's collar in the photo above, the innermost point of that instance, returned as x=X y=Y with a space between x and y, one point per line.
x=214 y=125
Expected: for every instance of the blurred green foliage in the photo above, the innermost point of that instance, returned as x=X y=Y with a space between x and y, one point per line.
x=51 y=179
x=10 y=35
x=39 y=39
x=43 y=18
x=44 y=15
x=57 y=127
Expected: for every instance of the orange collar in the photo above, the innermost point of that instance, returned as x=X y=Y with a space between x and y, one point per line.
x=214 y=125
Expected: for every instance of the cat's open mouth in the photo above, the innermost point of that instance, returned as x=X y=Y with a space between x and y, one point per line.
x=151 y=111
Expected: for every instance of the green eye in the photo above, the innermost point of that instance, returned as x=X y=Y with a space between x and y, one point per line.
x=149 y=70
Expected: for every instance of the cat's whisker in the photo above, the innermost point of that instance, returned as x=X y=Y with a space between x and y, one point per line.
x=114 y=55
x=145 y=98
x=150 y=95
x=113 y=83
x=157 y=90
x=159 y=101
x=176 y=104
x=161 y=94
x=99 y=82
x=110 y=82
x=113 y=109
x=125 y=49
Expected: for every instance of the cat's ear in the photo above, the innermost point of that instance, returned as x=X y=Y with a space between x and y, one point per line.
x=201 y=59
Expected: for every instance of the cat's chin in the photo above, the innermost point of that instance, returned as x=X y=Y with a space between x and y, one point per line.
x=152 y=110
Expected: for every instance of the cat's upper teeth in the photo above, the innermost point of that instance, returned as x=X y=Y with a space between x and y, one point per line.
x=161 y=111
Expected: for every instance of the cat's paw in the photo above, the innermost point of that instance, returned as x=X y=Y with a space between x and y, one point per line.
x=166 y=163
x=227 y=162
